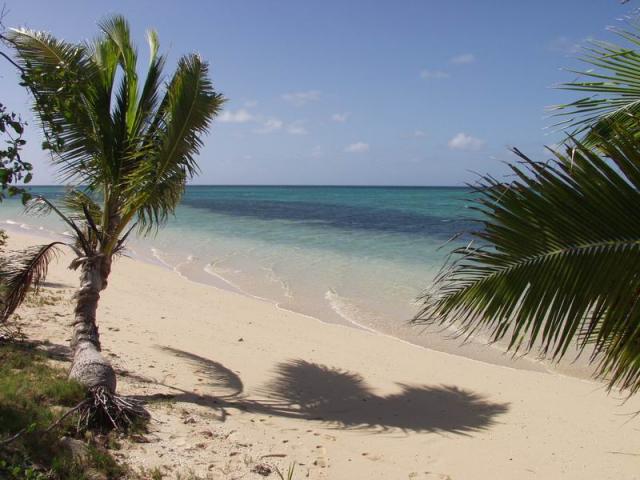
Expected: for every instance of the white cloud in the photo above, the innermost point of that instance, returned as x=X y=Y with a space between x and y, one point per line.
x=358 y=147
x=316 y=152
x=434 y=74
x=301 y=98
x=415 y=134
x=564 y=45
x=462 y=141
x=271 y=125
x=297 y=128
x=251 y=103
x=463 y=58
x=341 y=117
x=237 y=116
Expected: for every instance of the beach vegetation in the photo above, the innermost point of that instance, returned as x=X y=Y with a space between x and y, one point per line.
x=15 y=172
x=35 y=437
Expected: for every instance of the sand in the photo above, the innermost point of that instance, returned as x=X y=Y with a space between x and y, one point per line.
x=235 y=384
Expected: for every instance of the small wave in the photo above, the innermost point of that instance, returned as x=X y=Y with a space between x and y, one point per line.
x=161 y=257
x=272 y=276
x=210 y=269
x=37 y=230
x=157 y=254
x=347 y=311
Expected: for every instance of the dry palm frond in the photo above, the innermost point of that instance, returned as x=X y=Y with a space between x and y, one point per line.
x=22 y=271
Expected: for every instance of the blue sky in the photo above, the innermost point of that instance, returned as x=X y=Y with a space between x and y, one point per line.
x=354 y=92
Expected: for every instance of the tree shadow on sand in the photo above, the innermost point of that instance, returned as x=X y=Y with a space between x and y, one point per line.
x=310 y=391
x=342 y=399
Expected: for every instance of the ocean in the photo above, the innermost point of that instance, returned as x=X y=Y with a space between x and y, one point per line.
x=357 y=256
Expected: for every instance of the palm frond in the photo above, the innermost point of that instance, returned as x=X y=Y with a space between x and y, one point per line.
x=60 y=75
x=174 y=140
x=39 y=205
x=20 y=272
x=85 y=211
x=612 y=85
x=558 y=260
x=117 y=29
x=80 y=203
x=149 y=97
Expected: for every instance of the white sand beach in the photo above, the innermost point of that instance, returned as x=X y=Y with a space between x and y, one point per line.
x=233 y=382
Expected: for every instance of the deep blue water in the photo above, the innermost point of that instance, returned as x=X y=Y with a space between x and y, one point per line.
x=394 y=210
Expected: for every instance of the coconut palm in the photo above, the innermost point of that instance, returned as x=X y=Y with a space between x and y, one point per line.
x=130 y=142
x=557 y=260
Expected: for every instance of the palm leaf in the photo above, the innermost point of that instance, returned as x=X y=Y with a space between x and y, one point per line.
x=20 y=272
x=78 y=202
x=149 y=97
x=612 y=84
x=39 y=205
x=558 y=261
x=61 y=77
x=173 y=141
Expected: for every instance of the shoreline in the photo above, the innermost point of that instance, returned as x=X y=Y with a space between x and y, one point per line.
x=340 y=402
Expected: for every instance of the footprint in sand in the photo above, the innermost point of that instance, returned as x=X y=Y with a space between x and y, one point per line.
x=373 y=457
x=321 y=460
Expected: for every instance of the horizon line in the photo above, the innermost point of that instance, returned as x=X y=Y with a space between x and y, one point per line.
x=284 y=185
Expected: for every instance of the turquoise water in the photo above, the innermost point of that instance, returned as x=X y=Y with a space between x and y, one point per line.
x=357 y=256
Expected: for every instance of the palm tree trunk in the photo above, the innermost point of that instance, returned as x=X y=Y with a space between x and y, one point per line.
x=89 y=366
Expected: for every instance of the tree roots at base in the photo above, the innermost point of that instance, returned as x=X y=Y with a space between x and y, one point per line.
x=104 y=410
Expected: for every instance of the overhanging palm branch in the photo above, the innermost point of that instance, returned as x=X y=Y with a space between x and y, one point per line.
x=558 y=260
x=612 y=85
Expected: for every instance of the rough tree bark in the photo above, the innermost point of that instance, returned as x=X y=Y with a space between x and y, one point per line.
x=89 y=366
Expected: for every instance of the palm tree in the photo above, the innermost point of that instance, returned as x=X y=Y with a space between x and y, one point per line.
x=130 y=143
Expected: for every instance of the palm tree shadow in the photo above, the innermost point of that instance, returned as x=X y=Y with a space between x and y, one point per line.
x=306 y=390
x=342 y=399
x=217 y=376
x=226 y=384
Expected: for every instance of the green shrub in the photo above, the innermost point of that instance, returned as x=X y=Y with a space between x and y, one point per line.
x=33 y=395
